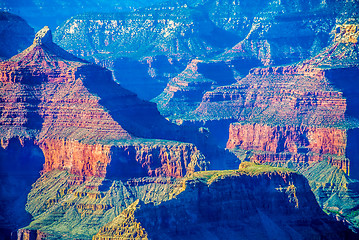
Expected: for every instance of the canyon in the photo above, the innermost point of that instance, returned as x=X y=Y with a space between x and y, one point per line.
x=251 y=132
x=214 y=202
x=297 y=116
x=64 y=113
x=156 y=45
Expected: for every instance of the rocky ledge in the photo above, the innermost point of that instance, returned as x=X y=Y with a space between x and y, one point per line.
x=249 y=202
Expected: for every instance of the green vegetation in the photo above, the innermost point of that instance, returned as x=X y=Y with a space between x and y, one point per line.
x=124 y=226
x=245 y=168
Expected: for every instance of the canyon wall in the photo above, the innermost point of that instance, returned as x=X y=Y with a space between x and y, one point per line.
x=68 y=114
x=124 y=159
x=217 y=204
x=296 y=143
x=206 y=204
x=158 y=44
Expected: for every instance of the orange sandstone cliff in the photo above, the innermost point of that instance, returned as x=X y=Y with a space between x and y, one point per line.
x=304 y=112
x=60 y=112
x=75 y=112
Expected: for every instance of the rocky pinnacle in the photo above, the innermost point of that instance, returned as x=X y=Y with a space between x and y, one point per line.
x=43 y=37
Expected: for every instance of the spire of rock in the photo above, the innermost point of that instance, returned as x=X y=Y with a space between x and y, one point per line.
x=44 y=45
x=44 y=36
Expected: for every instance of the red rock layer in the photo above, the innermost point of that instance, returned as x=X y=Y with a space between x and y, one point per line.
x=165 y=159
x=78 y=158
x=293 y=99
x=76 y=113
x=26 y=234
x=287 y=138
x=298 y=143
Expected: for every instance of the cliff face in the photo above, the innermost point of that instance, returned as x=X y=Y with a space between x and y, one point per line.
x=55 y=12
x=244 y=34
x=288 y=138
x=68 y=114
x=318 y=129
x=136 y=158
x=268 y=96
x=72 y=108
x=184 y=93
x=296 y=143
x=146 y=32
x=68 y=206
x=154 y=41
x=300 y=115
x=202 y=206
x=295 y=98
x=227 y=205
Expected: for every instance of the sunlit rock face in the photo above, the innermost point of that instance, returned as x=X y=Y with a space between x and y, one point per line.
x=106 y=165
x=227 y=204
x=56 y=96
x=301 y=115
x=61 y=112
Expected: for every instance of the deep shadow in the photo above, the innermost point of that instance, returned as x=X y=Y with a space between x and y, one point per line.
x=243 y=65
x=219 y=72
x=20 y=167
x=134 y=74
x=347 y=80
x=124 y=165
x=142 y=119
x=139 y=117
x=352 y=152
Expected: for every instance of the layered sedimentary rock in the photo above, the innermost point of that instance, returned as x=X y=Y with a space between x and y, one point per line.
x=157 y=43
x=122 y=159
x=224 y=204
x=15 y=35
x=62 y=112
x=245 y=35
x=183 y=93
x=297 y=143
x=302 y=116
x=283 y=109
x=58 y=100
x=55 y=12
x=166 y=30
x=278 y=32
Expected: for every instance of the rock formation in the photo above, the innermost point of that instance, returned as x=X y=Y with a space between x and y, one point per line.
x=154 y=42
x=244 y=34
x=58 y=100
x=183 y=93
x=113 y=167
x=225 y=204
x=55 y=12
x=302 y=114
x=70 y=115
